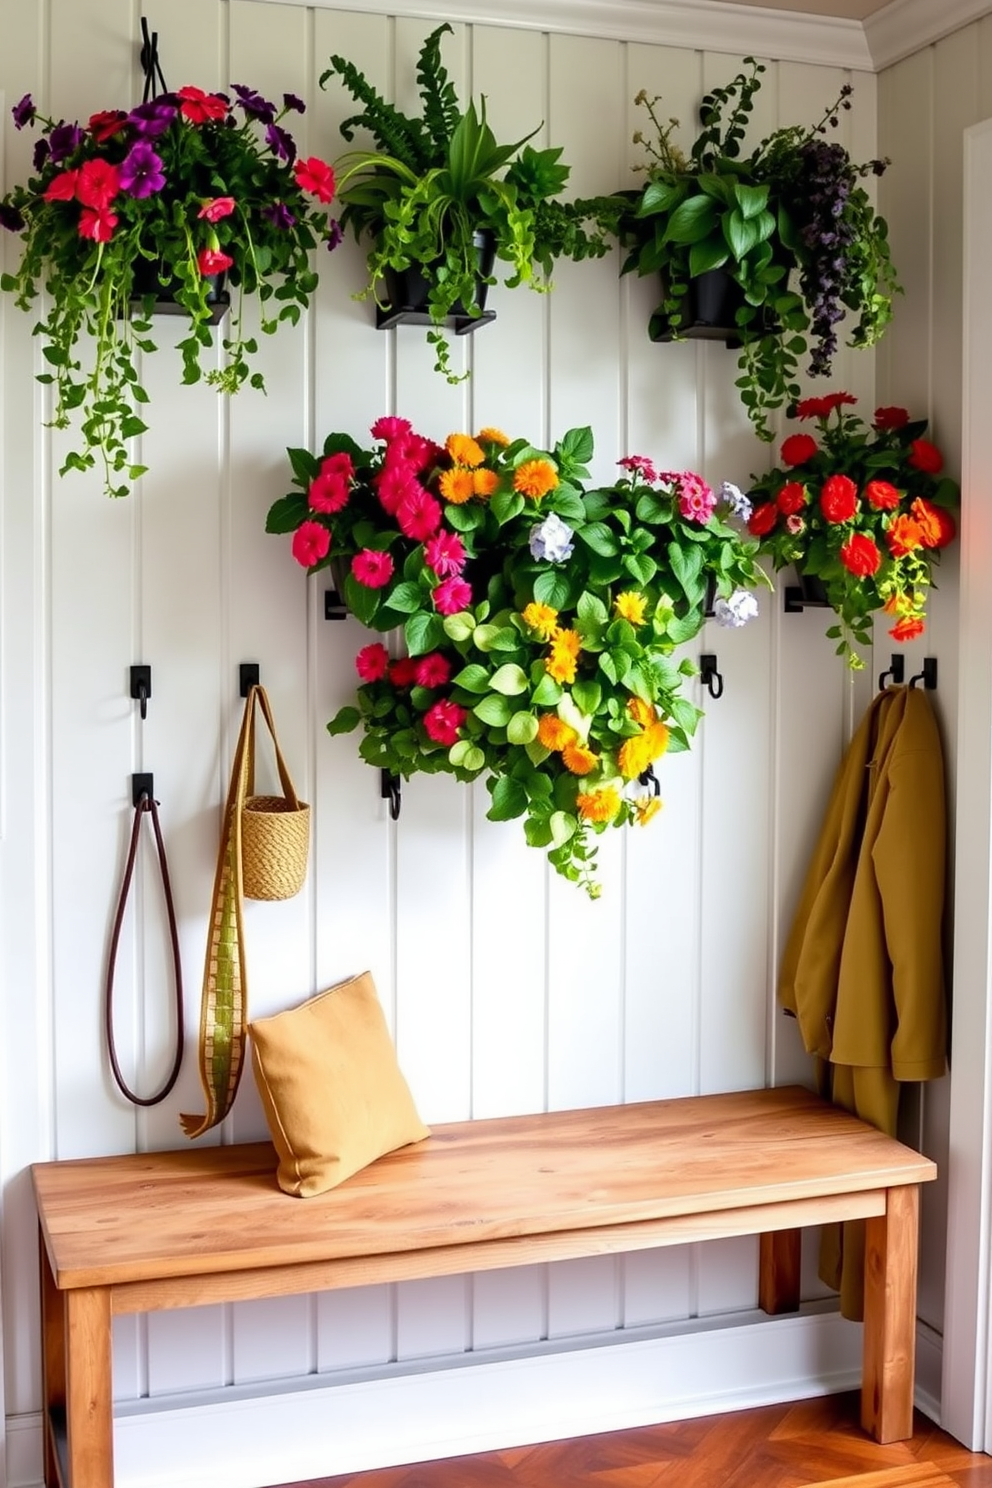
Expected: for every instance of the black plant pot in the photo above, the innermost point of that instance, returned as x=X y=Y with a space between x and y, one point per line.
x=809 y=594
x=708 y=311
x=407 y=294
x=146 y=281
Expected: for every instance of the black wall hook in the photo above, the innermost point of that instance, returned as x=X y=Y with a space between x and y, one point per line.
x=248 y=676
x=141 y=686
x=142 y=785
x=928 y=676
x=334 y=606
x=389 y=790
x=154 y=81
x=650 y=781
x=709 y=676
x=896 y=670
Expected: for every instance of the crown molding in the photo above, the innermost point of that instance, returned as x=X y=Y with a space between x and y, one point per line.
x=713 y=25
x=906 y=26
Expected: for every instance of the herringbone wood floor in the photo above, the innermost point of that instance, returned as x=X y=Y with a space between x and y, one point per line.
x=780 y=1446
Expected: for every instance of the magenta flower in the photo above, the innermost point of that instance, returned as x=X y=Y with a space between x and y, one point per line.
x=311 y=543
x=418 y=514
x=217 y=207
x=389 y=427
x=371 y=568
x=393 y=484
x=372 y=662
x=696 y=499
x=141 y=173
x=433 y=670
x=328 y=492
x=340 y=463
x=452 y=596
x=445 y=554
x=641 y=465
x=254 y=105
x=279 y=215
x=443 y=720
x=152 y=118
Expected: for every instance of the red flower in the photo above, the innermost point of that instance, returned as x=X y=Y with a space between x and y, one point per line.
x=937 y=526
x=328 y=492
x=106 y=124
x=372 y=568
x=198 y=107
x=799 y=448
x=212 y=261
x=882 y=495
x=316 y=177
x=907 y=629
x=311 y=543
x=839 y=498
x=890 y=418
x=792 y=498
x=443 y=721
x=372 y=662
x=97 y=225
x=452 y=596
x=925 y=456
x=433 y=670
x=860 y=556
x=403 y=673
x=821 y=407
x=217 y=207
x=97 y=184
x=62 y=187
x=762 y=519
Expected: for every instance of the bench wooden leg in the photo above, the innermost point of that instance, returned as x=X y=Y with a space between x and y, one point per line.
x=890 y=1317
x=53 y=1365
x=779 y=1268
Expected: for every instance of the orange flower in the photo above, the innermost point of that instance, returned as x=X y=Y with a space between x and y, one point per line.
x=903 y=536
x=457 y=486
x=484 y=482
x=898 y=604
x=907 y=629
x=640 y=711
x=565 y=648
x=542 y=619
x=535 y=478
x=599 y=806
x=579 y=759
x=464 y=450
x=553 y=732
x=489 y=435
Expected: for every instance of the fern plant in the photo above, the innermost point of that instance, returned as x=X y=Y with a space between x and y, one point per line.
x=433 y=183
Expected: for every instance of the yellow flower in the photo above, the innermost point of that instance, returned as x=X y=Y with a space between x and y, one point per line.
x=553 y=732
x=464 y=450
x=631 y=606
x=457 y=486
x=640 y=711
x=535 y=478
x=657 y=740
x=542 y=619
x=493 y=436
x=484 y=482
x=646 y=807
x=565 y=648
x=578 y=759
x=637 y=753
x=599 y=806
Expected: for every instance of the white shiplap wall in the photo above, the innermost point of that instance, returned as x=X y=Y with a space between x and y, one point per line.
x=506 y=989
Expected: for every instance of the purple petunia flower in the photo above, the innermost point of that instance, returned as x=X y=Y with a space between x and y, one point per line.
x=279 y=215
x=334 y=235
x=254 y=105
x=63 y=139
x=141 y=171
x=10 y=218
x=290 y=101
x=40 y=153
x=281 y=143
x=23 y=112
x=153 y=118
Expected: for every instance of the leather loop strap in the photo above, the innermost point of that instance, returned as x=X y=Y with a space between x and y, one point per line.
x=145 y=806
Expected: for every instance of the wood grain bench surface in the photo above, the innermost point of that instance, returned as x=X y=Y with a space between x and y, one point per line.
x=148 y=1231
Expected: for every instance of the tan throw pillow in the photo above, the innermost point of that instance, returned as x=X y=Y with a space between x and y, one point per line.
x=334 y=1096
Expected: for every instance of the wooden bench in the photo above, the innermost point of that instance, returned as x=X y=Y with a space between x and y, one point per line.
x=181 y=1229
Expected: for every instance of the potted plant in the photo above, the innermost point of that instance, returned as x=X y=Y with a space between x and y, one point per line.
x=788 y=231
x=159 y=201
x=866 y=511
x=538 y=619
x=438 y=195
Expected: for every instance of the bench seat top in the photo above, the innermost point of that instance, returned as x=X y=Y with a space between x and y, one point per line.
x=208 y=1210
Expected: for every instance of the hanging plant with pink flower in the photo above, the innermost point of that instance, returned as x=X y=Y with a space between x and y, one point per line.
x=156 y=202
x=531 y=624
x=866 y=510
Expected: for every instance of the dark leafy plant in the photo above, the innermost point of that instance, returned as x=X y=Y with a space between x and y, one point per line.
x=432 y=183
x=790 y=223
x=160 y=201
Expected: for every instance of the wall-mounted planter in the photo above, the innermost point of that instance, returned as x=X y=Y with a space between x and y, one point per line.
x=408 y=291
x=709 y=312
x=146 y=281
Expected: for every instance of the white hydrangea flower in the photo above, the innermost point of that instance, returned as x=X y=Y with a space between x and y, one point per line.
x=552 y=539
x=733 y=497
x=736 y=611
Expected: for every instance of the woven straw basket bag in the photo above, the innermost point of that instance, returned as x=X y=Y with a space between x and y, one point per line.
x=275 y=830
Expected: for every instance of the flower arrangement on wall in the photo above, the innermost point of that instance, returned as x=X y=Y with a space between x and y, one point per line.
x=789 y=227
x=539 y=619
x=866 y=510
x=158 y=202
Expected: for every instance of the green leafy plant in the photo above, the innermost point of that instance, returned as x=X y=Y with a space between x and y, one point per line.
x=152 y=203
x=791 y=224
x=538 y=620
x=434 y=183
x=866 y=511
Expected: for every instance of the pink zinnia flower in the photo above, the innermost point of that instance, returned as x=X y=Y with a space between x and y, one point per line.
x=371 y=568
x=641 y=464
x=390 y=427
x=452 y=596
x=338 y=464
x=96 y=224
x=328 y=492
x=97 y=184
x=433 y=670
x=696 y=498
x=445 y=554
x=212 y=261
x=316 y=177
x=443 y=721
x=418 y=514
x=414 y=450
x=403 y=673
x=220 y=206
x=393 y=484
x=311 y=543
x=372 y=662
